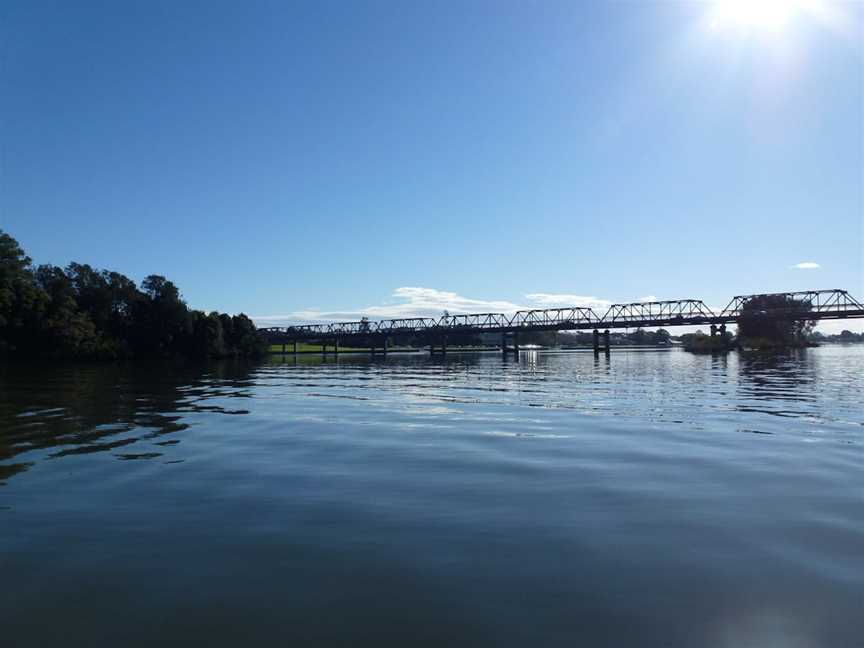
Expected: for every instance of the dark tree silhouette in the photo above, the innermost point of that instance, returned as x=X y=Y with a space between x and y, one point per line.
x=81 y=312
x=774 y=320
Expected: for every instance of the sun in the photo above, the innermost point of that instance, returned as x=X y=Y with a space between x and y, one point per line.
x=755 y=14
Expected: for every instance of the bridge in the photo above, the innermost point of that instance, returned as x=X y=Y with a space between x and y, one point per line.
x=376 y=335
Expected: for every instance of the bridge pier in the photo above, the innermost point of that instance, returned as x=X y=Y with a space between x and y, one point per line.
x=596 y=336
x=295 y=347
x=514 y=349
x=385 y=344
x=443 y=343
x=336 y=347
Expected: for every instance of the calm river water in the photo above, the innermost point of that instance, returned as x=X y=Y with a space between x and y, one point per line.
x=654 y=498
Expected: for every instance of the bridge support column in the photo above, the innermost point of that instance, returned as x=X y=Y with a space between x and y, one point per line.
x=722 y=329
x=295 y=347
x=713 y=330
x=283 y=348
x=596 y=336
x=323 y=349
x=606 y=340
x=385 y=347
x=516 y=344
x=444 y=346
x=336 y=347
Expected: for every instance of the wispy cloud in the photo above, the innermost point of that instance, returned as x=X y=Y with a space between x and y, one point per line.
x=806 y=265
x=410 y=301
x=551 y=300
x=648 y=298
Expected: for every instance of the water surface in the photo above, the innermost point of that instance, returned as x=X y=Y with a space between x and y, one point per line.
x=647 y=499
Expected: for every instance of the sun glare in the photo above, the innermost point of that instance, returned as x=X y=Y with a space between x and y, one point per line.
x=762 y=14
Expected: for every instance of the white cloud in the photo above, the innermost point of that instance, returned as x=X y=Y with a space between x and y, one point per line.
x=806 y=265
x=552 y=300
x=648 y=298
x=411 y=301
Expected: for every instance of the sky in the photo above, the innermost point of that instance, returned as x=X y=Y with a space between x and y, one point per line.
x=327 y=160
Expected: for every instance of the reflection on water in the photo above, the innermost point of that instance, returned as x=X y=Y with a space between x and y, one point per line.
x=77 y=410
x=642 y=498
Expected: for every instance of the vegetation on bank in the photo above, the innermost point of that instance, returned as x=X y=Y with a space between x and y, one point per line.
x=845 y=336
x=79 y=312
x=660 y=337
x=699 y=342
x=307 y=347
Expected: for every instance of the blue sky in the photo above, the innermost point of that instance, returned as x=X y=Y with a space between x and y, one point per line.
x=330 y=159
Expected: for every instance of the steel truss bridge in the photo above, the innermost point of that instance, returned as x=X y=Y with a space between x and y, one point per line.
x=804 y=305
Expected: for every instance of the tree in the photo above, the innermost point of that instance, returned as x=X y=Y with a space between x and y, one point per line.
x=65 y=330
x=162 y=320
x=774 y=320
x=21 y=302
x=82 y=312
x=639 y=336
x=661 y=336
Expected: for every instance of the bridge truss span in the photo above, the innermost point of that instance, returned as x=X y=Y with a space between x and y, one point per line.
x=804 y=305
x=478 y=321
x=669 y=313
x=554 y=319
x=824 y=304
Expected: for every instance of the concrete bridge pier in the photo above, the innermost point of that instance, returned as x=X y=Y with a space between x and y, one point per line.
x=385 y=344
x=597 y=342
x=443 y=343
x=513 y=349
x=336 y=347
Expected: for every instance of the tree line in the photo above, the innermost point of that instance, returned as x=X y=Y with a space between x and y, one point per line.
x=79 y=312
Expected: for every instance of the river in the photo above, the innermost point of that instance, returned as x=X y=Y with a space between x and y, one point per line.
x=648 y=498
